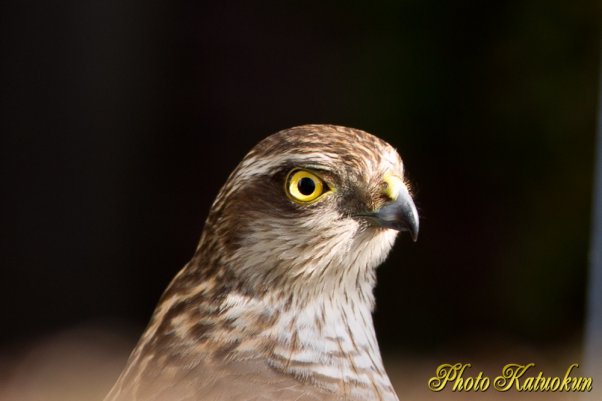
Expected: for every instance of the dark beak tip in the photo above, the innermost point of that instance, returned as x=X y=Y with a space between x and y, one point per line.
x=400 y=215
x=412 y=228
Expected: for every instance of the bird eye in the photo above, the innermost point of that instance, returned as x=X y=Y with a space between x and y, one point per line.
x=303 y=186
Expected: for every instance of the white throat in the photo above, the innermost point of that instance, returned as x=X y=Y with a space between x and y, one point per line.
x=328 y=339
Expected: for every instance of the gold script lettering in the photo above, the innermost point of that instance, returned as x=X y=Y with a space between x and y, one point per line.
x=511 y=373
x=446 y=373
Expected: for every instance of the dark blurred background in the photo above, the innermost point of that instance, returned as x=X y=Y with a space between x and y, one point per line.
x=120 y=120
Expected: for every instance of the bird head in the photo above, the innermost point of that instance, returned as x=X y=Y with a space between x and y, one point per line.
x=277 y=299
x=314 y=208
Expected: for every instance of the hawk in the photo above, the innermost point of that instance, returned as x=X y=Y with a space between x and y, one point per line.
x=277 y=301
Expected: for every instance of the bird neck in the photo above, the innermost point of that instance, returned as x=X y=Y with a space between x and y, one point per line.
x=317 y=329
x=329 y=341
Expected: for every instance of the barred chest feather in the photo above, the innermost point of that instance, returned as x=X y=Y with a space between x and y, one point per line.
x=330 y=344
x=324 y=344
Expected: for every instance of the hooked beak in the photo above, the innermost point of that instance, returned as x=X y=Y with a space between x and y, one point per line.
x=400 y=212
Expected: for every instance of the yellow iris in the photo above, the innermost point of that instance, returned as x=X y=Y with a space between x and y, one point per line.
x=304 y=186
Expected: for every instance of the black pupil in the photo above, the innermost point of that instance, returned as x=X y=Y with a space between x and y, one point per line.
x=306 y=186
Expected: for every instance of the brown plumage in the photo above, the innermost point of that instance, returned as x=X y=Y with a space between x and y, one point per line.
x=276 y=302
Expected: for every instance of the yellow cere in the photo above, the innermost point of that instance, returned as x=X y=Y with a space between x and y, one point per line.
x=393 y=186
x=304 y=186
